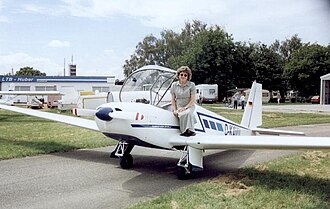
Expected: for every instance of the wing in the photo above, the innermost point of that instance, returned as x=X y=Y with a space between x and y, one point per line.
x=75 y=121
x=206 y=141
x=30 y=93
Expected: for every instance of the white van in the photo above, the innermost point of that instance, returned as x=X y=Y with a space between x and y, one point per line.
x=265 y=95
x=206 y=93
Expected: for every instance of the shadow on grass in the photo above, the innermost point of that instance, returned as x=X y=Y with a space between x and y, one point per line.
x=274 y=180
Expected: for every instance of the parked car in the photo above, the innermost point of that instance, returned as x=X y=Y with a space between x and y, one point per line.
x=315 y=100
x=301 y=99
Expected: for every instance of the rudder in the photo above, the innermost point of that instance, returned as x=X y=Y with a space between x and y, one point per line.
x=252 y=116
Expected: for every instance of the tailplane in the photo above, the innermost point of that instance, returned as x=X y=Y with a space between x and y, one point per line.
x=252 y=116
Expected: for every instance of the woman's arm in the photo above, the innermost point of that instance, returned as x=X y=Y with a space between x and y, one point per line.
x=173 y=102
x=191 y=102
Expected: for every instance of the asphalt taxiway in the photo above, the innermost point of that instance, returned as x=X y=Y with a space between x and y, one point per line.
x=90 y=179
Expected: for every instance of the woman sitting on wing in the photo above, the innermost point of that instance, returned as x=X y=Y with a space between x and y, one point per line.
x=183 y=101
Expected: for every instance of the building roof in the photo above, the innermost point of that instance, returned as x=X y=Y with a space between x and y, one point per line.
x=45 y=79
x=325 y=77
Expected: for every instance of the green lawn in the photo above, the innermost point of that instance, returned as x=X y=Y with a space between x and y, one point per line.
x=23 y=135
x=299 y=181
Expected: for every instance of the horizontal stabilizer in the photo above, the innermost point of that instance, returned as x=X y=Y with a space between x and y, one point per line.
x=276 y=132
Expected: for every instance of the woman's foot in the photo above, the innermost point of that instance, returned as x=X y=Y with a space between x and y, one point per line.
x=185 y=133
x=188 y=133
x=191 y=133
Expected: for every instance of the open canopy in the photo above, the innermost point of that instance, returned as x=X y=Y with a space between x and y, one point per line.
x=149 y=84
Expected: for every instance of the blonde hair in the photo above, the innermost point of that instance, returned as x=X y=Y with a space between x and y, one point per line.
x=184 y=69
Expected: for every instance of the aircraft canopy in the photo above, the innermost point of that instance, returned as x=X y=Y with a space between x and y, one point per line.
x=150 y=84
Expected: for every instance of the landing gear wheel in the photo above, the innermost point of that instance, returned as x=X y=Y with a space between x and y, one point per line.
x=126 y=161
x=183 y=173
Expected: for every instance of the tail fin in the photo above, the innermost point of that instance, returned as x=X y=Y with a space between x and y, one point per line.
x=252 y=116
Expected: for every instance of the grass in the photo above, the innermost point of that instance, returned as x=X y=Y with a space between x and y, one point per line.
x=23 y=135
x=298 y=181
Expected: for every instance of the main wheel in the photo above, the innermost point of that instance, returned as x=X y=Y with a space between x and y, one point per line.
x=182 y=173
x=126 y=161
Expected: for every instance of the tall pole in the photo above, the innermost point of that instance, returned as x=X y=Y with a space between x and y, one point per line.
x=64 y=68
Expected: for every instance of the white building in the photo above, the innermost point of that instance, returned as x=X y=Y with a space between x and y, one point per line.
x=325 y=89
x=58 y=83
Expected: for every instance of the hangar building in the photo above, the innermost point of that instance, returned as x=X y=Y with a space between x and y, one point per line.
x=58 y=83
x=325 y=89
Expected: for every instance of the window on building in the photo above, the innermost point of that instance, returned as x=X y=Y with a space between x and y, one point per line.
x=101 y=88
x=265 y=94
x=22 y=88
x=45 y=88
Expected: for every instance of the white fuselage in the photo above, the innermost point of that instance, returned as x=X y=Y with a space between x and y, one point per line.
x=148 y=125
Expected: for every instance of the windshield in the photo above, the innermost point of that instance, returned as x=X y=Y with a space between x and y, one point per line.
x=149 y=84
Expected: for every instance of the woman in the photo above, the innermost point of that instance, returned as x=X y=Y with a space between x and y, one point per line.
x=183 y=101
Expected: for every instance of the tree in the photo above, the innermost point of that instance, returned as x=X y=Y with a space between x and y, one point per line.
x=215 y=58
x=210 y=55
x=306 y=66
x=288 y=47
x=29 y=71
x=285 y=49
x=145 y=54
x=268 y=67
x=243 y=65
x=163 y=51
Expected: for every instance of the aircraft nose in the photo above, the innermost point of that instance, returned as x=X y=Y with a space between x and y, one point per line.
x=103 y=113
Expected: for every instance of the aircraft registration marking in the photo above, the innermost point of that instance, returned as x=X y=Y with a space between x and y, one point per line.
x=232 y=130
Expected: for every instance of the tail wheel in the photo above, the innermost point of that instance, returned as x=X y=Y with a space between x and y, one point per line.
x=126 y=161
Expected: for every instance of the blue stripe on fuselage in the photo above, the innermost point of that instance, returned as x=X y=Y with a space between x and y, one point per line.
x=154 y=126
x=206 y=123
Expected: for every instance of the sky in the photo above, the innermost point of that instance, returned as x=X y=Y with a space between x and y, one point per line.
x=101 y=34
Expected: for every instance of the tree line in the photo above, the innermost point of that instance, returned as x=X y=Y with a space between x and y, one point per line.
x=215 y=58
